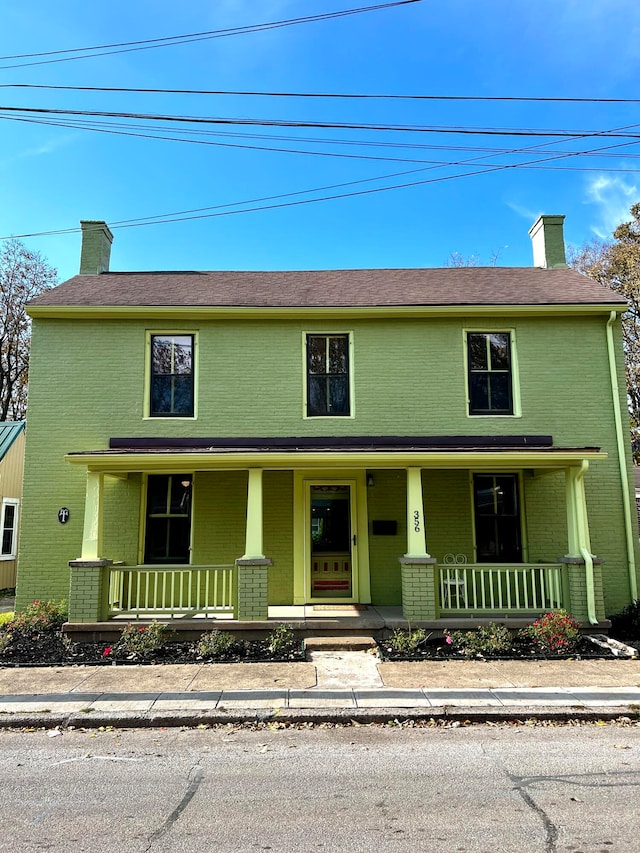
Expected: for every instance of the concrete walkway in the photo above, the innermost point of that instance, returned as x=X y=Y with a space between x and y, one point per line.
x=332 y=686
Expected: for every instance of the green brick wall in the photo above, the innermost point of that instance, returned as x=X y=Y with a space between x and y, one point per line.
x=408 y=379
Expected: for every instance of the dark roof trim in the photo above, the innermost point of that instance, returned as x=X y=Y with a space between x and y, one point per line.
x=368 y=442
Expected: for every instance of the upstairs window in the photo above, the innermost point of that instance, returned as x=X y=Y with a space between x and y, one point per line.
x=328 y=391
x=171 y=376
x=490 y=375
x=9 y=529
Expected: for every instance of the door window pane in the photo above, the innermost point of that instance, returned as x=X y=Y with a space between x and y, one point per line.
x=497 y=518
x=168 y=520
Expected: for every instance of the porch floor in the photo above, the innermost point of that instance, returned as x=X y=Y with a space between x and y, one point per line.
x=307 y=620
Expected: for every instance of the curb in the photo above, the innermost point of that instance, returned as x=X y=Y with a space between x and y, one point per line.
x=339 y=716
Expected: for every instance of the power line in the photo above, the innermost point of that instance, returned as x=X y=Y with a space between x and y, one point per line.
x=168 y=41
x=335 y=95
x=170 y=218
x=211 y=120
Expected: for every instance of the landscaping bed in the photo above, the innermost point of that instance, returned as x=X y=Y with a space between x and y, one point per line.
x=34 y=638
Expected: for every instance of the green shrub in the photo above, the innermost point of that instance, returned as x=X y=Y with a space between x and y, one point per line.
x=407 y=641
x=486 y=641
x=217 y=645
x=281 y=640
x=6 y=617
x=555 y=633
x=143 y=641
x=626 y=624
x=35 y=633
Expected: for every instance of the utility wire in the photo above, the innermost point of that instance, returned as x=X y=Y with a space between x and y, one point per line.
x=168 y=41
x=335 y=95
x=211 y=120
x=169 y=218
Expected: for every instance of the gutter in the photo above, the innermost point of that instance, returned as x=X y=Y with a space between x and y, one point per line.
x=622 y=459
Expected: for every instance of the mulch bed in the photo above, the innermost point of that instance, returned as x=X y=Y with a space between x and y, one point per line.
x=520 y=650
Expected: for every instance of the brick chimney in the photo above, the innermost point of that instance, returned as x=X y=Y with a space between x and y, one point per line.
x=548 y=243
x=96 y=247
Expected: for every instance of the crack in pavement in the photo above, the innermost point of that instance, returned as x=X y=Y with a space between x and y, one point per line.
x=197 y=775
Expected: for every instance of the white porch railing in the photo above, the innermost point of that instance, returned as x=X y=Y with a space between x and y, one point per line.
x=498 y=588
x=170 y=590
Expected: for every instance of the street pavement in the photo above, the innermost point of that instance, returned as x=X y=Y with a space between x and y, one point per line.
x=330 y=686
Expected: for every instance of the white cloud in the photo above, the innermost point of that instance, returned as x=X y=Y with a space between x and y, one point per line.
x=614 y=196
x=524 y=212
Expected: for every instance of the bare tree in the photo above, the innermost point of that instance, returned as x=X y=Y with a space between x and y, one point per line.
x=23 y=275
x=616 y=264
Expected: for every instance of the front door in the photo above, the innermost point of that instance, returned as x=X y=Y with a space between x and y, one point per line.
x=332 y=540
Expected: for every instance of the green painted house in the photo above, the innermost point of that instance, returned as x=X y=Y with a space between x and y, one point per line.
x=414 y=444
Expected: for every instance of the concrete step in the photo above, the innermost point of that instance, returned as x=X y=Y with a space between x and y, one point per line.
x=339 y=644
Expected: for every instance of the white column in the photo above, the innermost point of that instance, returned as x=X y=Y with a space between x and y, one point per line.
x=416 y=539
x=253 y=541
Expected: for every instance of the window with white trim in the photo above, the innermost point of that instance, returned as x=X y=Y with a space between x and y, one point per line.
x=9 y=528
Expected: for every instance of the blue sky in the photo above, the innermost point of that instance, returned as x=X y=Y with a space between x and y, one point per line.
x=53 y=176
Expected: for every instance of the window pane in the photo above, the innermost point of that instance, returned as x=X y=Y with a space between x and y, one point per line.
x=338 y=351
x=478 y=392
x=182 y=350
x=506 y=496
x=180 y=494
x=500 y=384
x=156 y=494
x=499 y=348
x=317 y=354
x=317 y=396
x=339 y=393
x=178 y=547
x=9 y=516
x=509 y=540
x=484 y=495
x=486 y=540
x=160 y=355
x=182 y=395
x=7 y=542
x=161 y=395
x=477 y=352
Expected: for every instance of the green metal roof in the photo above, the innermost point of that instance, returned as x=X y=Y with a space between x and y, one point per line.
x=9 y=431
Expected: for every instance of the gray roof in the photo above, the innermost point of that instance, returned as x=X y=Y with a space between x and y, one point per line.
x=332 y=288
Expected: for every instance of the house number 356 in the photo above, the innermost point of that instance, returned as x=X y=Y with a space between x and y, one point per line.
x=416 y=521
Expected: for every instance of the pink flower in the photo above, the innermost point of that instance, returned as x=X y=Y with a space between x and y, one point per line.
x=448 y=639
x=107 y=651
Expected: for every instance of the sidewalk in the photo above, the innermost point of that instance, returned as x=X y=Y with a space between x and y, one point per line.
x=333 y=686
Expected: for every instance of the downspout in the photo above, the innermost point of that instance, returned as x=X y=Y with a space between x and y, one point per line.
x=587 y=556
x=622 y=459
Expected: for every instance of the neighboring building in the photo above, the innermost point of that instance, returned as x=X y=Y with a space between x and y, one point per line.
x=11 y=471
x=451 y=441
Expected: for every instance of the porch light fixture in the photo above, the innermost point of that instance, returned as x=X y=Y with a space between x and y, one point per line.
x=370 y=480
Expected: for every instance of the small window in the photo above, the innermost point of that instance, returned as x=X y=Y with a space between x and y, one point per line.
x=168 y=519
x=9 y=529
x=328 y=392
x=490 y=373
x=171 y=376
x=497 y=518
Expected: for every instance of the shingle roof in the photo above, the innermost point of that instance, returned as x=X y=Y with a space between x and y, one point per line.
x=332 y=288
x=9 y=431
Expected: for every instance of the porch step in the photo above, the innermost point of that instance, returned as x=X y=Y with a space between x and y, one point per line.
x=339 y=644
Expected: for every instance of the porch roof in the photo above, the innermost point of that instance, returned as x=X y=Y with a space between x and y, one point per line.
x=486 y=452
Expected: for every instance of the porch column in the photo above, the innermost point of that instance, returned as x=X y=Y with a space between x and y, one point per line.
x=88 y=582
x=586 y=601
x=416 y=539
x=251 y=599
x=418 y=570
x=92 y=532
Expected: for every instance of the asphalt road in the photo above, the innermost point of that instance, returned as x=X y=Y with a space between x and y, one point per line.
x=464 y=790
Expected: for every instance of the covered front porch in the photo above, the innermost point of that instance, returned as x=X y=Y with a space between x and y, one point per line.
x=335 y=538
